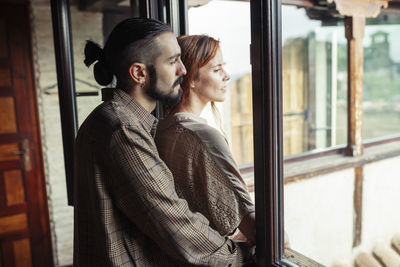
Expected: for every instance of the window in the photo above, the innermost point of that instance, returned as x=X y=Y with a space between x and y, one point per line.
x=299 y=98
x=237 y=108
x=381 y=89
x=330 y=202
x=314 y=82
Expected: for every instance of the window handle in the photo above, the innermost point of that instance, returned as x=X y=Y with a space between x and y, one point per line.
x=26 y=155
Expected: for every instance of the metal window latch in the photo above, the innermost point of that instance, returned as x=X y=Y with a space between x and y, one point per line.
x=26 y=155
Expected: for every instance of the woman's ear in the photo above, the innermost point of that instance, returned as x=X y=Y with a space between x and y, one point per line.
x=192 y=84
x=138 y=72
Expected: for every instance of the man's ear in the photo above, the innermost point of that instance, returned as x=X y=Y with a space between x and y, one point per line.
x=138 y=72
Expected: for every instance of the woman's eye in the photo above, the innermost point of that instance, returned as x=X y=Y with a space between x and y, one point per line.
x=174 y=61
x=217 y=70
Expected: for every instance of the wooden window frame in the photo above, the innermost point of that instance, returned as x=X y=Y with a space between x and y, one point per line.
x=266 y=62
x=267 y=125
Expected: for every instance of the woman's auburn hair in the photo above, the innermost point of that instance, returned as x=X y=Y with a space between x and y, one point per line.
x=196 y=52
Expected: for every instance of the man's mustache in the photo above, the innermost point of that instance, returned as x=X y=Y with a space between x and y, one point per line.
x=178 y=81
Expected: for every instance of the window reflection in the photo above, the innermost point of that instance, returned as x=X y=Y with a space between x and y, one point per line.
x=314 y=82
x=318 y=211
x=381 y=84
x=233 y=30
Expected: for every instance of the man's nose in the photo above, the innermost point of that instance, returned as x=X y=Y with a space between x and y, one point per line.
x=181 y=69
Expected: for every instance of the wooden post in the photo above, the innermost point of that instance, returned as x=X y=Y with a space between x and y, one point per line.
x=355 y=27
x=357 y=199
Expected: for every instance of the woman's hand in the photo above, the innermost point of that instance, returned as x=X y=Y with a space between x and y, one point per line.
x=248 y=227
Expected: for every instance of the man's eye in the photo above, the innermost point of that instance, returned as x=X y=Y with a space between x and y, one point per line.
x=217 y=70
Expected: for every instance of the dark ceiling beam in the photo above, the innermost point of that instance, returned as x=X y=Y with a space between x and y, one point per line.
x=100 y=5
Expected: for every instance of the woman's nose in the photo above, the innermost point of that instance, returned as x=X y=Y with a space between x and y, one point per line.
x=227 y=77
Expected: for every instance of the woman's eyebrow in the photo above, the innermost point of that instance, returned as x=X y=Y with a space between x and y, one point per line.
x=219 y=65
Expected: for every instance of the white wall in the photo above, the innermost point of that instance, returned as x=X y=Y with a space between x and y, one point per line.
x=319 y=212
x=319 y=216
x=381 y=199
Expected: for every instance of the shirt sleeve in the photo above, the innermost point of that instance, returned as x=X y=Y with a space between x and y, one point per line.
x=227 y=195
x=143 y=189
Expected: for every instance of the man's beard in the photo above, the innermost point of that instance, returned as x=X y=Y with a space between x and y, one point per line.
x=168 y=100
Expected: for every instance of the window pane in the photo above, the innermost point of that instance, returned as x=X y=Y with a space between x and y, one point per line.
x=95 y=26
x=314 y=82
x=237 y=108
x=318 y=212
x=381 y=88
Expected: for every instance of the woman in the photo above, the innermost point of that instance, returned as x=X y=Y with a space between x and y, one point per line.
x=198 y=155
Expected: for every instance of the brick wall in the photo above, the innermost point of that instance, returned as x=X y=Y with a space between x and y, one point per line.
x=85 y=25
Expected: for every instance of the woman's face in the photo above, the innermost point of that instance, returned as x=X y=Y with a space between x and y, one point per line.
x=211 y=83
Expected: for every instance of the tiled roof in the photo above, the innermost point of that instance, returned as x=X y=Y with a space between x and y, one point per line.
x=383 y=255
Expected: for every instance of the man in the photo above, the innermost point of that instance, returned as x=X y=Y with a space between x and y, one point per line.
x=127 y=212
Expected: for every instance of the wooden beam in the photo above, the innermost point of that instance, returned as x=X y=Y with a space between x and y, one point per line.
x=385 y=255
x=361 y=8
x=354 y=27
x=357 y=197
x=396 y=243
x=365 y=260
x=101 y=5
x=302 y=3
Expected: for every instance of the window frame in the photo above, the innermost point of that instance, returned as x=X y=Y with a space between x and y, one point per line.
x=268 y=168
x=393 y=8
x=266 y=63
x=265 y=59
x=61 y=20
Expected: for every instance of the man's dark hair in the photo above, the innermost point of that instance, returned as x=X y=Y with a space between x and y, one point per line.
x=132 y=40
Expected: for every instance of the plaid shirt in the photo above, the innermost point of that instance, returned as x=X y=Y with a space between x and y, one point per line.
x=127 y=212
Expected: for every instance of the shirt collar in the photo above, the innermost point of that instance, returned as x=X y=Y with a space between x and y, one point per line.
x=148 y=121
x=190 y=116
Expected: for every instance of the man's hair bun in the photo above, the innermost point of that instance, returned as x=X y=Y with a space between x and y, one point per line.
x=93 y=52
x=102 y=74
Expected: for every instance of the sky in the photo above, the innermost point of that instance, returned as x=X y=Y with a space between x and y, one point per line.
x=229 y=22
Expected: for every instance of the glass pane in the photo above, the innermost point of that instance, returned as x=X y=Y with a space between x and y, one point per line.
x=95 y=26
x=317 y=211
x=314 y=81
x=381 y=88
x=232 y=29
x=237 y=108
